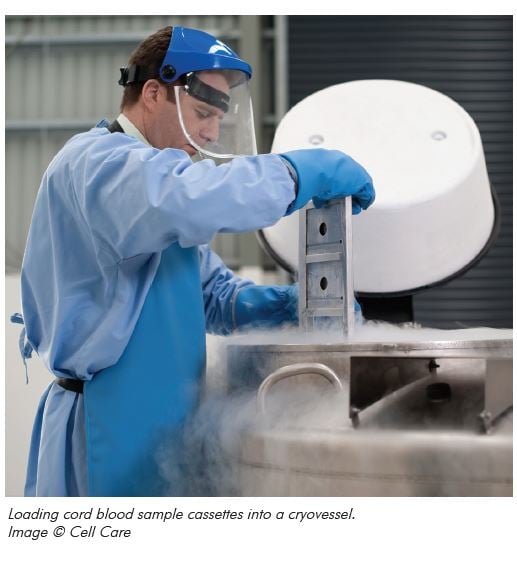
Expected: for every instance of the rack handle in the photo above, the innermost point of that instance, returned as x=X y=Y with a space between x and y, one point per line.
x=291 y=370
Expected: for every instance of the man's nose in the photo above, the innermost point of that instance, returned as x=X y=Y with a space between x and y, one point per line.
x=210 y=130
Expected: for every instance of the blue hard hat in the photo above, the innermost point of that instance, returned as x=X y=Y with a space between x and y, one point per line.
x=191 y=50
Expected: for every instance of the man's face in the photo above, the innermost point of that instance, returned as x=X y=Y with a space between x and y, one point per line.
x=201 y=120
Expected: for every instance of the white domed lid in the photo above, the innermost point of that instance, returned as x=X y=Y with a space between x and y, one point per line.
x=433 y=200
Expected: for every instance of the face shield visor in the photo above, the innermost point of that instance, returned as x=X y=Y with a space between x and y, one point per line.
x=215 y=113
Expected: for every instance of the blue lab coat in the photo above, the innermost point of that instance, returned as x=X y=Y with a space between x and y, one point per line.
x=118 y=290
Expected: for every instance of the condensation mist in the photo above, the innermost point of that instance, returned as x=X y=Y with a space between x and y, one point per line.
x=228 y=431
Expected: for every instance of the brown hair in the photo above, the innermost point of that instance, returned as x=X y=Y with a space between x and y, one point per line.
x=149 y=55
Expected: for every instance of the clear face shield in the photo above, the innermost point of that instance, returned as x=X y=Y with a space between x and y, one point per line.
x=216 y=114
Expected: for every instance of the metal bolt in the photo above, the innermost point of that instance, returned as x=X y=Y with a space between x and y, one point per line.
x=168 y=72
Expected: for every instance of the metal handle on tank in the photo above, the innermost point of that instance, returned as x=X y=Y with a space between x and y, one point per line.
x=295 y=369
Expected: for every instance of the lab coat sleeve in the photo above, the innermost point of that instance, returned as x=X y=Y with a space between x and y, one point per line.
x=220 y=289
x=233 y=303
x=138 y=200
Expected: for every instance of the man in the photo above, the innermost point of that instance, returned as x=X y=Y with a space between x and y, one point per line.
x=118 y=283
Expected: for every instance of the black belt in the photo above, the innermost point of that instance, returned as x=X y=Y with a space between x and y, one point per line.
x=75 y=385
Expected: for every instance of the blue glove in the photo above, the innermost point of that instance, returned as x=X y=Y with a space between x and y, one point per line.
x=327 y=174
x=266 y=306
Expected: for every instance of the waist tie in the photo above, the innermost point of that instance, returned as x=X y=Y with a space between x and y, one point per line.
x=75 y=385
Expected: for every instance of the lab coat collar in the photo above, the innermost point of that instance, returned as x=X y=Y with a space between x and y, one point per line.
x=130 y=129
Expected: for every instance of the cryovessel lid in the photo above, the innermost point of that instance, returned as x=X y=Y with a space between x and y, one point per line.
x=434 y=213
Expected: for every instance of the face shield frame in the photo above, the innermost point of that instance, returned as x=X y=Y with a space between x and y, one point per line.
x=202 y=106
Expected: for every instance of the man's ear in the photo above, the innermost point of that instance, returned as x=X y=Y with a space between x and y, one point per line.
x=151 y=93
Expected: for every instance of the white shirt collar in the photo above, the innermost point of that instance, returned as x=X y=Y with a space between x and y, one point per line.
x=130 y=129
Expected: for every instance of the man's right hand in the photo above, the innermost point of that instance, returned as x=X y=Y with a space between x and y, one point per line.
x=325 y=174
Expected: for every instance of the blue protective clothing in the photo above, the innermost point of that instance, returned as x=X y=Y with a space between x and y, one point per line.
x=269 y=306
x=135 y=407
x=266 y=307
x=118 y=289
x=324 y=174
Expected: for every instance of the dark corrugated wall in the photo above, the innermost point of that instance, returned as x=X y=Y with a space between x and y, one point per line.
x=468 y=58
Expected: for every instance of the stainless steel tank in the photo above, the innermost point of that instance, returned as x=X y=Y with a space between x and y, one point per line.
x=357 y=417
x=376 y=419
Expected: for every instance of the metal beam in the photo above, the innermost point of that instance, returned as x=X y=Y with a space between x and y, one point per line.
x=95 y=39
x=281 y=68
x=250 y=51
x=32 y=125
